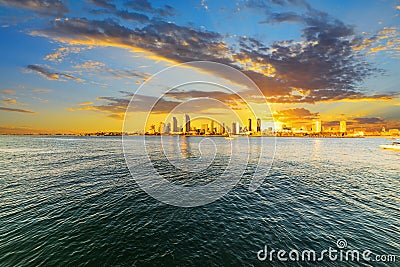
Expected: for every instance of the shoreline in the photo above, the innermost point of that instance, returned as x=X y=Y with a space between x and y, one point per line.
x=221 y=136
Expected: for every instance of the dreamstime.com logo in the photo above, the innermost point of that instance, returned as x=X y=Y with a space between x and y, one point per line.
x=339 y=253
x=185 y=165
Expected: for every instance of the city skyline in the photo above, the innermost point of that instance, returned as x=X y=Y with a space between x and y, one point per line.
x=212 y=127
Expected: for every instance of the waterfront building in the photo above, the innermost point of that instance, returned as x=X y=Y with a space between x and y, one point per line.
x=258 y=125
x=175 y=125
x=343 y=126
x=186 y=123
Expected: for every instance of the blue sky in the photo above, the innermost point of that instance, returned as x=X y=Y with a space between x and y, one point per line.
x=67 y=65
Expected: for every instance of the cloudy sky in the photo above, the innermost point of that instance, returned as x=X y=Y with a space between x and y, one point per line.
x=73 y=66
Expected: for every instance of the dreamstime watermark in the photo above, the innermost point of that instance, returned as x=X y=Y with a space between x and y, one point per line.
x=169 y=166
x=338 y=253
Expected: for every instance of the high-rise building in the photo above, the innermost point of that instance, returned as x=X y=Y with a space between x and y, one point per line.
x=259 y=125
x=212 y=126
x=235 y=128
x=186 y=123
x=175 y=125
x=249 y=129
x=343 y=126
x=152 y=129
x=317 y=127
x=220 y=129
x=167 y=128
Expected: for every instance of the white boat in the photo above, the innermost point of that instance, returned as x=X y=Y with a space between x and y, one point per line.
x=231 y=137
x=393 y=146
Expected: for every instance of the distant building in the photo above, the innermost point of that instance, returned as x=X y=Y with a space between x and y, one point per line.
x=186 y=124
x=212 y=126
x=317 y=126
x=249 y=129
x=175 y=125
x=167 y=128
x=152 y=129
x=220 y=129
x=343 y=127
x=235 y=128
x=258 y=125
x=394 y=131
x=204 y=128
x=359 y=131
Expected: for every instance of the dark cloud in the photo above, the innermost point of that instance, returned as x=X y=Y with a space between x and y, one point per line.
x=108 y=4
x=323 y=67
x=133 y=16
x=295 y=114
x=99 y=67
x=122 y=74
x=52 y=75
x=284 y=17
x=165 y=39
x=116 y=107
x=185 y=95
x=369 y=120
x=147 y=7
x=370 y=123
x=44 y=7
x=17 y=110
x=111 y=9
x=266 y=5
x=230 y=99
x=325 y=62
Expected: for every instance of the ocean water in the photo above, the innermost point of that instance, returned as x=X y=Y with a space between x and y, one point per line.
x=71 y=201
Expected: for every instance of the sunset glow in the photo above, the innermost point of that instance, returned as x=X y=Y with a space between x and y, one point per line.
x=73 y=67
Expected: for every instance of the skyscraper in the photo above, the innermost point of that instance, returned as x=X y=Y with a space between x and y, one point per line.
x=249 y=129
x=186 y=123
x=343 y=126
x=167 y=128
x=317 y=127
x=233 y=128
x=220 y=128
x=175 y=125
x=258 y=125
x=212 y=127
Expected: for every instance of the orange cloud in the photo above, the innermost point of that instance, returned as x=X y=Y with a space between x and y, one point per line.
x=387 y=39
x=85 y=103
x=17 y=110
x=62 y=52
x=41 y=90
x=50 y=75
x=9 y=101
x=8 y=92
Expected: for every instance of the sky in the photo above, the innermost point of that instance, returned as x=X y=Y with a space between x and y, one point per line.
x=74 y=66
